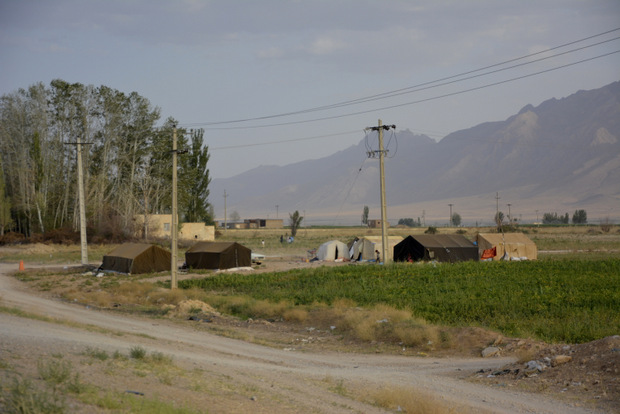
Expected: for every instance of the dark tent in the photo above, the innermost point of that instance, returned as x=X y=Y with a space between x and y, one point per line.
x=137 y=258
x=441 y=247
x=218 y=255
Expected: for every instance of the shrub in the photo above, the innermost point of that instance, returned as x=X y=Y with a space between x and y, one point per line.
x=54 y=372
x=137 y=352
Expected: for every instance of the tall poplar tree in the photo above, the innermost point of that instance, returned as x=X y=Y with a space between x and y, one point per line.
x=196 y=180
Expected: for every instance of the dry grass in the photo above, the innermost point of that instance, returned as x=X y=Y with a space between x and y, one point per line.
x=382 y=323
x=408 y=400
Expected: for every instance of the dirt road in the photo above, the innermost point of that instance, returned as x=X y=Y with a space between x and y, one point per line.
x=263 y=379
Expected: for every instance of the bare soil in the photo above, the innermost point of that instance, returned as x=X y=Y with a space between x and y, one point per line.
x=223 y=364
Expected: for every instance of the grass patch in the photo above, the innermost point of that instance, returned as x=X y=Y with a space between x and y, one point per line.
x=127 y=402
x=24 y=397
x=96 y=353
x=137 y=352
x=407 y=400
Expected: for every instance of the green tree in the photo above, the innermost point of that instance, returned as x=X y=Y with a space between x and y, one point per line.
x=294 y=222
x=5 y=206
x=580 y=217
x=499 y=218
x=554 y=218
x=234 y=216
x=456 y=219
x=195 y=169
x=409 y=222
x=365 y=215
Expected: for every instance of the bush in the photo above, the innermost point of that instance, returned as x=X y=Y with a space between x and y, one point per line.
x=12 y=238
x=137 y=352
x=431 y=230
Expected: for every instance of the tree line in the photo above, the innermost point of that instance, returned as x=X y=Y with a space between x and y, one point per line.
x=127 y=160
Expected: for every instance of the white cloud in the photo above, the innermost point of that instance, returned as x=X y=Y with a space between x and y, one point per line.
x=325 y=45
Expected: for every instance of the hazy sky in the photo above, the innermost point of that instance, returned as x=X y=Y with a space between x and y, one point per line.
x=207 y=62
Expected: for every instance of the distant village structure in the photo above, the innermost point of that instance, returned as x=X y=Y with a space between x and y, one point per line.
x=376 y=224
x=254 y=224
x=158 y=226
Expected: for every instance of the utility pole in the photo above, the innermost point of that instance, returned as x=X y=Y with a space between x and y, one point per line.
x=450 y=214
x=173 y=227
x=381 y=151
x=499 y=222
x=225 y=213
x=277 y=206
x=175 y=215
x=83 y=238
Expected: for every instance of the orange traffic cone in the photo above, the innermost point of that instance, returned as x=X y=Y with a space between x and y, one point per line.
x=21 y=265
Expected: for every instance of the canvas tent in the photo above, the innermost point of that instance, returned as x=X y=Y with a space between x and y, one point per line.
x=361 y=249
x=137 y=258
x=441 y=247
x=218 y=255
x=516 y=246
x=392 y=242
x=333 y=250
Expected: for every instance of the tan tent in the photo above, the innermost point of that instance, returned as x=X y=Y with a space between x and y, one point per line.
x=333 y=250
x=137 y=258
x=392 y=241
x=516 y=246
x=361 y=249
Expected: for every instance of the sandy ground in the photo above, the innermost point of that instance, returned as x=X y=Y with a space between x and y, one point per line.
x=231 y=375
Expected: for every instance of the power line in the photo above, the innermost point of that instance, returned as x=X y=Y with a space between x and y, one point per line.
x=414 y=88
x=256 y=144
x=446 y=95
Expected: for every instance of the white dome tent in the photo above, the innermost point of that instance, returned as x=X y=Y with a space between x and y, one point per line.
x=333 y=250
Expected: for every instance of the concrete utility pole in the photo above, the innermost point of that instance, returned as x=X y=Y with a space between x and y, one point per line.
x=83 y=238
x=225 y=213
x=381 y=151
x=499 y=222
x=450 y=214
x=175 y=215
x=173 y=226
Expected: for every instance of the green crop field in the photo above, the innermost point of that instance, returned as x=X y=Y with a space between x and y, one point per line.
x=569 y=300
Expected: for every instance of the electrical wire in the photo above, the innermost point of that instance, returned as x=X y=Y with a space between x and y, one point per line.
x=325 y=118
x=346 y=197
x=446 y=95
x=426 y=85
x=256 y=144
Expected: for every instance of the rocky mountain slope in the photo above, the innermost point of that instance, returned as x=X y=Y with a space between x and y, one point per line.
x=559 y=156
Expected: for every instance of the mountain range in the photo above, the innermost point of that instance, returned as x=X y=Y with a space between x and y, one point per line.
x=560 y=156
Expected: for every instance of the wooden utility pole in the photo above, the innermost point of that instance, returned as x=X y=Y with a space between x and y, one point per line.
x=381 y=151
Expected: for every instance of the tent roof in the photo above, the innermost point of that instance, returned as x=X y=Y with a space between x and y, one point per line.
x=497 y=238
x=378 y=239
x=130 y=250
x=443 y=240
x=211 y=247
